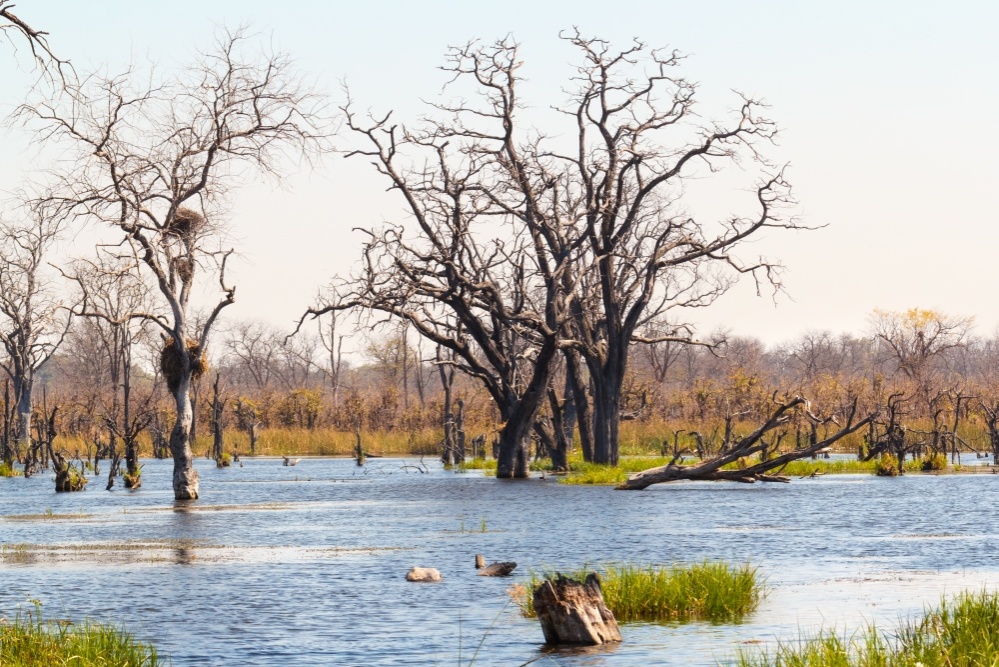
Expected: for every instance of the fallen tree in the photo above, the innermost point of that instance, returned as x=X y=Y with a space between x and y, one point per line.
x=764 y=469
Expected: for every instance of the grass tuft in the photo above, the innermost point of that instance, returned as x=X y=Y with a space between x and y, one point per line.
x=715 y=592
x=28 y=640
x=963 y=632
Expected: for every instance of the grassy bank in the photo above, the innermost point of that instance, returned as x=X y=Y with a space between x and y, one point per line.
x=715 y=592
x=961 y=633
x=29 y=641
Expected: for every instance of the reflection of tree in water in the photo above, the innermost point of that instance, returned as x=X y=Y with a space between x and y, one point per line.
x=183 y=555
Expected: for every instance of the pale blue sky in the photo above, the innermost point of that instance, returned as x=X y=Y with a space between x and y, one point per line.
x=887 y=109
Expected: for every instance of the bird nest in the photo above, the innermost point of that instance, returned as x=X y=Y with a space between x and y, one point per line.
x=172 y=364
x=185 y=223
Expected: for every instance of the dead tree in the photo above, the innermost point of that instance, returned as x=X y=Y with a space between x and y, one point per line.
x=218 y=407
x=33 y=318
x=753 y=470
x=111 y=295
x=156 y=162
x=482 y=272
x=992 y=422
x=639 y=141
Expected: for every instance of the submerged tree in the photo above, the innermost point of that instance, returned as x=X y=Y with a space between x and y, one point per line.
x=157 y=161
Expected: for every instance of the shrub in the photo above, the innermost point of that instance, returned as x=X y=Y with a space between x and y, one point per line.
x=8 y=470
x=931 y=462
x=887 y=466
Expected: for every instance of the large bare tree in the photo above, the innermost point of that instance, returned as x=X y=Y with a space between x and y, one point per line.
x=481 y=271
x=639 y=140
x=156 y=158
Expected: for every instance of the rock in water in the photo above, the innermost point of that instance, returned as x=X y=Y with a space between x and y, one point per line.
x=423 y=574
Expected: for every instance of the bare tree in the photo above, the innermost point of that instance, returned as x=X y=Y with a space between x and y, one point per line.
x=33 y=318
x=638 y=143
x=917 y=341
x=112 y=294
x=157 y=161
x=480 y=274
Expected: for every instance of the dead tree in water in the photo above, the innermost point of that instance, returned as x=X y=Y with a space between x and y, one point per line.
x=992 y=422
x=156 y=161
x=33 y=319
x=218 y=406
x=768 y=470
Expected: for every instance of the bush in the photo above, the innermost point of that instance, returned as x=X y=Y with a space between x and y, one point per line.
x=8 y=470
x=887 y=466
x=933 y=462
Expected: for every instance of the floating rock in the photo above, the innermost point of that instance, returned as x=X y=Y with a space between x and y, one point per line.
x=423 y=574
x=498 y=569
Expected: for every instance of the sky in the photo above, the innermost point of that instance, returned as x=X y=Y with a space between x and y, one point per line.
x=887 y=115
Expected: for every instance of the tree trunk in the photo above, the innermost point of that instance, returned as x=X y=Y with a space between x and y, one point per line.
x=581 y=403
x=22 y=392
x=519 y=415
x=513 y=458
x=606 y=417
x=185 y=477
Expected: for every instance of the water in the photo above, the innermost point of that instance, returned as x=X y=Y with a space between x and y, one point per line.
x=305 y=565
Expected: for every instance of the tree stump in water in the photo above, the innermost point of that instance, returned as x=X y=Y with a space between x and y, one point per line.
x=574 y=613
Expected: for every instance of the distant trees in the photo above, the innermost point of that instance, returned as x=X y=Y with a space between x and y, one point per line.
x=157 y=162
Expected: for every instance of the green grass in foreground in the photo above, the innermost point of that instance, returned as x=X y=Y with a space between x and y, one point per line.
x=715 y=592
x=961 y=633
x=29 y=641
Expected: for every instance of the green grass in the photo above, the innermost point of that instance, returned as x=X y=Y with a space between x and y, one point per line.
x=961 y=633
x=8 y=470
x=715 y=592
x=29 y=641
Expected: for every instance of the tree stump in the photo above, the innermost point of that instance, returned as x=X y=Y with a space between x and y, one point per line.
x=574 y=613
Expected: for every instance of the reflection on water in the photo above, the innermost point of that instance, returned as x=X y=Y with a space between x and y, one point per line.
x=306 y=565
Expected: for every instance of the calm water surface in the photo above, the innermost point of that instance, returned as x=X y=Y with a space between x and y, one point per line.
x=305 y=565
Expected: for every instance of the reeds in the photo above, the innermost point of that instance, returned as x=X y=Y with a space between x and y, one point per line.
x=714 y=592
x=961 y=633
x=29 y=641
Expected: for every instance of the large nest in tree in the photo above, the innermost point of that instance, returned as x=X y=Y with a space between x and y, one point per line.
x=173 y=367
x=185 y=224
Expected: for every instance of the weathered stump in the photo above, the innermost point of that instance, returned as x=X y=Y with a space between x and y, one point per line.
x=574 y=613
x=480 y=561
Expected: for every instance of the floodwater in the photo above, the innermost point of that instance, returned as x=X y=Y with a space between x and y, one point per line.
x=305 y=565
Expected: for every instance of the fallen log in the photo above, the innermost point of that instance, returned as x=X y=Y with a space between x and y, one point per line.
x=573 y=612
x=764 y=471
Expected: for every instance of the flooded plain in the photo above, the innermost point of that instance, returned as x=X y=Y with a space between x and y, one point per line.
x=305 y=565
